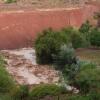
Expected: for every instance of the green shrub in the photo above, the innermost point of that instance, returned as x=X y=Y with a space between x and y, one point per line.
x=85 y=27
x=78 y=40
x=65 y=56
x=21 y=93
x=6 y=82
x=87 y=65
x=94 y=95
x=46 y=90
x=85 y=30
x=2 y=62
x=87 y=79
x=95 y=37
x=76 y=37
x=66 y=61
x=47 y=44
x=68 y=31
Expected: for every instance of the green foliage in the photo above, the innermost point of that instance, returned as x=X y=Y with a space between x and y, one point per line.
x=85 y=30
x=87 y=65
x=78 y=40
x=21 y=93
x=68 y=31
x=10 y=1
x=46 y=90
x=5 y=97
x=2 y=62
x=65 y=56
x=87 y=79
x=90 y=96
x=95 y=37
x=85 y=27
x=49 y=41
x=47 y=44
x=66 y=61
x=78 y=97
x=92 y=35
x=94 y=95
x=6 y=82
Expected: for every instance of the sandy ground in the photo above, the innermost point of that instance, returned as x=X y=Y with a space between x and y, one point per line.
x=20 y=4
x=21 y=64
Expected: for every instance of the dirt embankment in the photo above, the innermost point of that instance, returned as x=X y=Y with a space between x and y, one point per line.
x=19 y=28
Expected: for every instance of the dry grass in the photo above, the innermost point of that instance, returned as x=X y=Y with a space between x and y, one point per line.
x=34 y=4
x=48 y=3
x=89 y=55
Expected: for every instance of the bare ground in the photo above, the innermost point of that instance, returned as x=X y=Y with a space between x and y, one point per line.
x=33 y=4
x=21 y=64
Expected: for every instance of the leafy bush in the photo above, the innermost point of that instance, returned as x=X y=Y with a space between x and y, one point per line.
x=65 y=56
x=87 y=79
x=95 y=37
x=76 y=37
x=85 y=27
x=6 y=82
x=94 y=95
x=47 y=44
x=87 y=65
x=68 y=31
x=49 y=41
x=46 y=90
x=21 y=93
x=78 y=40
x=66 y=61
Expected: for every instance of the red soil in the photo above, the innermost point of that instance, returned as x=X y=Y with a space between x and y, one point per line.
x=19 y=28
